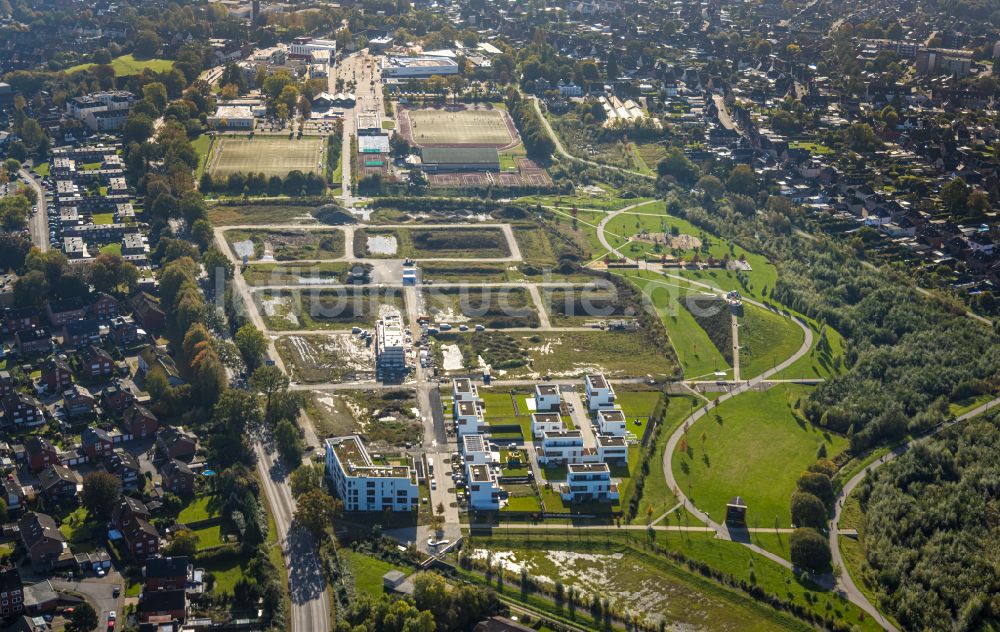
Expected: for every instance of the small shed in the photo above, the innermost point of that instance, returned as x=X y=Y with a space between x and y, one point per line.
x=395 y=581
x=736 y=512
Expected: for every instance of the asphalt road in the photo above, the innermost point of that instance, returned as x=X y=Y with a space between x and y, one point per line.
x=846 y=582
x=38 y=224
x=99 y=591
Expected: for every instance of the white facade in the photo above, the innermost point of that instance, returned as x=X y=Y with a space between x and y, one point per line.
x=586 y=483
x=232 y=117
x=484 y=488
x=547 y=397
x=469 y=418
x=562 y=447
x=600 y=393
x=365 y=486
x=611 y=421
x=545 y=422
x=478 y=451
x=418 y=67
x=611 y=449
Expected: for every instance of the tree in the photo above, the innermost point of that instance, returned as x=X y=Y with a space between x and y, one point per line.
x=712 y=186
x=306 y=477
x=83 y=619
x=954 y=195
x=809 y=550
x=978 y=203
x=269 y=381
x=147 y=44
x=315 y=510
x=289 y=440
x=101 y=492
x=808 y=510
x=741 y=180
x=156 y=94
x=138 y=128
x=817 y=484
x=184 y=543
x=252 y=345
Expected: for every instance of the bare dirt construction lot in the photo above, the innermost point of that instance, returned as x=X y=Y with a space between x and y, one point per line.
x=270 y=156
x=288 y=245
x=384 y=419
x=468 y=126
x=337 y=357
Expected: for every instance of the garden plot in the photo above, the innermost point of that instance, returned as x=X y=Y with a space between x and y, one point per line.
x=286 y=245
x=325 y=308
x=432 y=243
x=495 y=308
x=328 y=358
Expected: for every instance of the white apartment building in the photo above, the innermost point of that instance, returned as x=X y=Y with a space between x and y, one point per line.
x=464 y=390
x=600 y=393
x=77 y=107
x=587 y=483
x=469 y=418
x=559 y=448
x=484 y=488
x=478 y=451
x=547 y=398
x=365 y=486
x=611 y=421
x=545 y=422
x=610 y=449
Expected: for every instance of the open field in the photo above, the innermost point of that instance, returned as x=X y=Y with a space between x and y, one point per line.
x=478 y=126
x=297 y=273
x=367 y=571
x=496 y=308
x=236 y=215
x=386 y=418
x=332 y=358
x=128 y=65
x=766 y=338
x=637 y=582
x=728 y=558
x=753 y=446
x=418 y=243
x=287 y=245
x=267 y=155
x=697 y=355
x=327 y=308
x=657 y=497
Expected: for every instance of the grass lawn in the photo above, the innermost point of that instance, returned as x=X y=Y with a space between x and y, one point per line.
x=813 y=148
x=103 y=218
x=75 y=526
x=617 y=354
x=367 y=570
x=657 y=498
x=209 y=537
x=111 y=249
x=199 y=508
x=695 y=351
x=822 y=360
x=201 y=145
x=128 y=65
x=227 y=573
x=752 y=446
x=766 y=338
x=265 y=154
x=42 y=169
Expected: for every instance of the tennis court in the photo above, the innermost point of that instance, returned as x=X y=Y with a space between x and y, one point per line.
x=270 y=156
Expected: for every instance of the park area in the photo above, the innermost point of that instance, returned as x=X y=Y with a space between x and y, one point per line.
x=270 y=156
x=474 y=126
x=754 y=446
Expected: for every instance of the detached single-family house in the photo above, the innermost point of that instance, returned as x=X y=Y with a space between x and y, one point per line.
x=174 y=443
x=177 y=478
x=60 y=484
x=20 y=410
x=46 y=546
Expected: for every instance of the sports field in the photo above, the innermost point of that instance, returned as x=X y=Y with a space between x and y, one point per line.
x=270 y=156
x=453 y=127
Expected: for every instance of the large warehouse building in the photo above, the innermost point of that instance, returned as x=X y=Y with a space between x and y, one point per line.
x=417 y=67
x=460 y=159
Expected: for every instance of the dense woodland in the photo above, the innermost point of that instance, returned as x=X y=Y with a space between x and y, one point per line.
x=931 y=530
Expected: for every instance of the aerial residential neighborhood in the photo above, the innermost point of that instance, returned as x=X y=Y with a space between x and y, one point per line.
x=499 y=316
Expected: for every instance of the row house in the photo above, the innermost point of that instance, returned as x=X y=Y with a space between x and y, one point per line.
x=64 y=311
x=31 y=342
x=56 y=375
x=79 y=403
x=11 y=592
x=15 y=319
x=167 y=573
x=123 y=465
x=60 y=484
x=45 y=544
x=20 y=410
x=177 y=478
x=78 y=333
x=97 y=363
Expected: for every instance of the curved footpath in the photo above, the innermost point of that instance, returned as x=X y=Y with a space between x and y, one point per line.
x=846 y=588
x=562 y=150
x=846 y=582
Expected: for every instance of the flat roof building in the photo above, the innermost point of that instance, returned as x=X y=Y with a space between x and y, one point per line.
x=364 y=485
